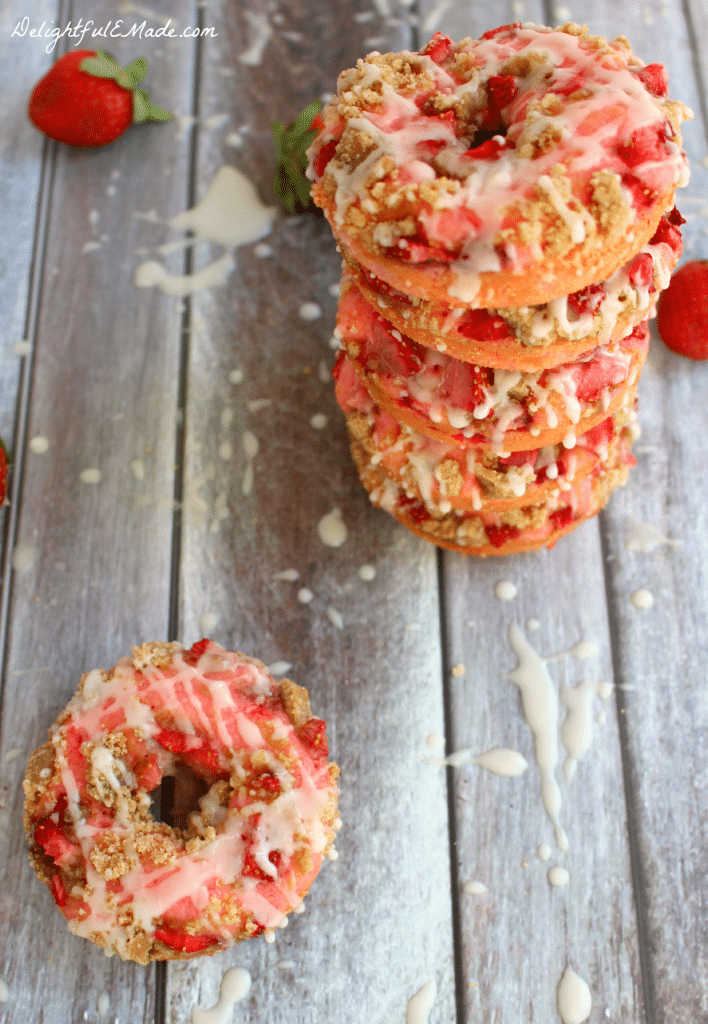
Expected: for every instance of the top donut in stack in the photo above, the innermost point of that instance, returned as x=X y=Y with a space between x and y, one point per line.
x=505 y=210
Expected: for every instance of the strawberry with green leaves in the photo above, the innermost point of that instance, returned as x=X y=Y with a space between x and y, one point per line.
x=87 y=99
x=290 y=183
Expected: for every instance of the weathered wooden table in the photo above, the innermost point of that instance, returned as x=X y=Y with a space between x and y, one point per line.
x=156 y=393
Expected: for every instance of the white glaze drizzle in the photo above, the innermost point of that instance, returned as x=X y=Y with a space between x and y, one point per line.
x=474 y=888
x=421 y=1003
x=573 y=998
x=642 y=599
x=647 y=538
x=332 y=529
x=235 y=986
x=500 y=761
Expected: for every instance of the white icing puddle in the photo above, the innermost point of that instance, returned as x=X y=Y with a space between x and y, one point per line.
x=235 y=986
x=367 y=573
x=573 y=998
x=309 y=311
x=577 y=727
x=558 y=876
x=500 y=761
x=335 y=617
x=332 y=529
x=22 y=557
x=305 y=595
x=207 y=622
x=543 y=852
x=103 y=1004
x=420 y=1004
x=505 y=591
x=642 y=599
x=474 y=888
x=279 y=668
x=90 y=475
x=230 y=214
x=434 y=740
x=647 y=538
x=39 y=445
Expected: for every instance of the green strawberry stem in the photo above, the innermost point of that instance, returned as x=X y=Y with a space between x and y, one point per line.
x=290 y=184
x=104 y=66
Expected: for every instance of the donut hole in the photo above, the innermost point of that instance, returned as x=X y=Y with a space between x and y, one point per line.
x=180 y=795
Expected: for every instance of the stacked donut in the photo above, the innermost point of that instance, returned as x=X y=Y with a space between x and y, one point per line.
x=505 y=210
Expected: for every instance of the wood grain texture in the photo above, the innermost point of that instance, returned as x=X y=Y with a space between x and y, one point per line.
x=103 y=394
x=377 y=923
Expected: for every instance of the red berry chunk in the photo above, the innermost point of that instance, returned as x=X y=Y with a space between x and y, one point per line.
x=668 y=233
x=587 y=299
x=58 y=890
x=416 y=252
x=646 y=144
x=682 y=313
x=502 y=28
x=195 y=651
x=480 y=325
x=313 y=732
x=386 y=355
x=500 y=535
x=267 y=781
x=674 y=217
x=183 y=942
x=193 y=751
x=600 y=434
x=52 y=840
x=502 y=89
x=520 y=458
x=438 y=48
x=492 y=149
x=412 y=508
x=562 y=517
x=463 y=384
x=641 y=270
x=324 y=156
x=642 y=195
x=655 y=77
x=595 y=375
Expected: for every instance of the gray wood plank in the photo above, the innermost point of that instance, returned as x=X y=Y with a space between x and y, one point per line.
x=103 y=395
x=377 y=923
x=661 y=652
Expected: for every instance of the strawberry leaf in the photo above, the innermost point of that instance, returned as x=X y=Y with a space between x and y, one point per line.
x=158 y=114
x=141 y=106
x=101 y=66
x=290 y=184
x=136 y=71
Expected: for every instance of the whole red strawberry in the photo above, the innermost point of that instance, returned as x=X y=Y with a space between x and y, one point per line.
x=87 y=99
x=682 y=311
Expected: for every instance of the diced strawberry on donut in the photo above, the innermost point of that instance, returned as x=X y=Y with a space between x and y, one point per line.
x=148 y=775
x=668 y=233
x=313 y=733
x=655 y=77
x=386 y=355
x=491 y=149
x=452 y=227
x=324 y=156
x=562 y=517
x=481 y=325
x=438 y=48
x=587 y=299
x=642 y=195
x=183 y=942
x=500 y=535
x=193 y=751
x=463 y=384
x=593 y=376
x=641 y=270
x=54 y=842
x=502 y=89
x=416 y=252
x=674 y=217
x=252 y=870
x=598 y=435
x=412 y=508
x=195 y=652
x=646 y=144
x=520 y=458
x=58 y=890
x=267 y=781
x=502 y=28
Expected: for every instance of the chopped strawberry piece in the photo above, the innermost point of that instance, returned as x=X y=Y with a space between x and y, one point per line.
x=587 y=299
x=502 y=28
x=682 y=316
x=183 y=942
x=674 y=217
x=324 y=156
x=195 y=652
x=655 y=77
x=492 y=149
x=412 y=508
x=480 y=325
x=416 y=252
x=602 y=433
x=646 y=144
x=520 y=458
x=316 y=124
x=52 y=840
x=252 y=870
x=642 y=195
x=573 y=83
x=438 y=48
x=267 y=781
x=641 y=270
x=194 y=751
x=175 y=742
x=562 y=517
x=388 y=356
x=58 y=890
x=593 y=376
x=148 y=774
x=502 y=89
x=463 y=384
x=500 y=535
x=431 y=147
x=668 y=233
x=313 y=732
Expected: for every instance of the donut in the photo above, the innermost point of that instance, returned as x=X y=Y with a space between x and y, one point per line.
x=474 y=406
x=511 y=531
x=535 y=337
x=249 y=852
x=504 y=171
x=445 y=478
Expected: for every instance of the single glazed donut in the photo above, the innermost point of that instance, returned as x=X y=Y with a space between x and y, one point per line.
x=474 y=406
x=144 y=889
x=535 y=337
x=446 y=478
x=504 y=171
x=506 y=532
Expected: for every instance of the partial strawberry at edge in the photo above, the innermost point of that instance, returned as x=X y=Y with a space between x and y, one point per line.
x=87 y=99
x=682 y=311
